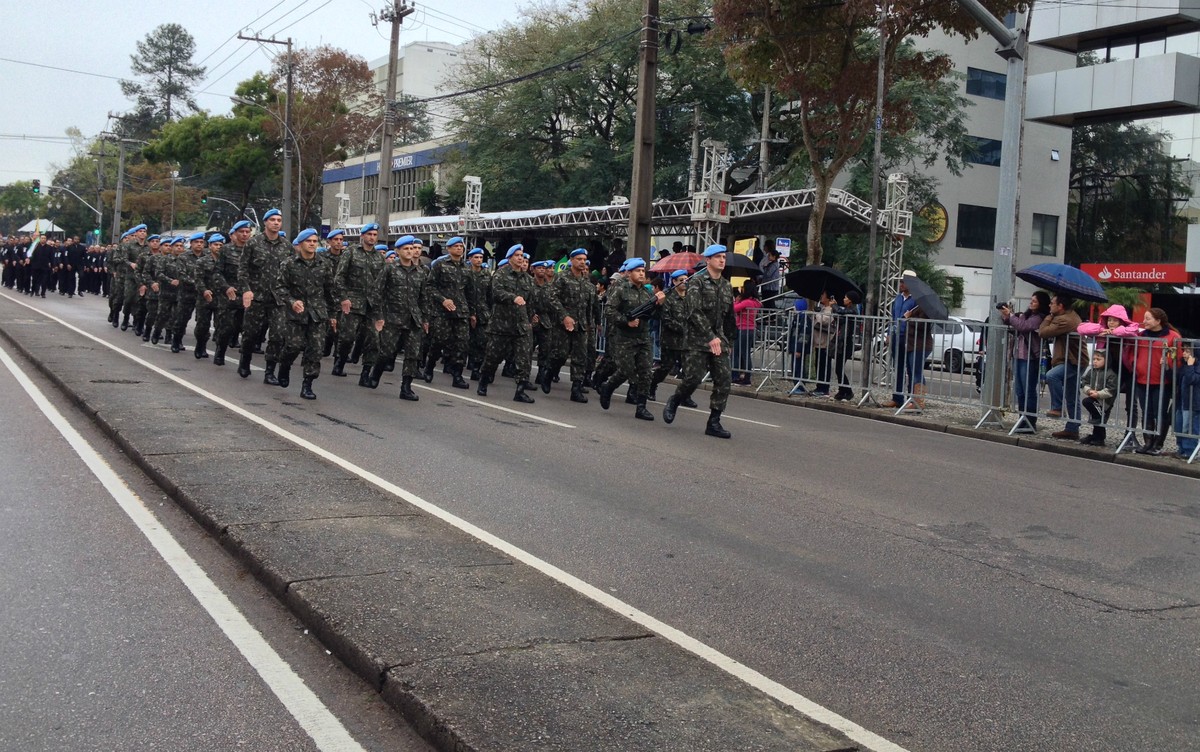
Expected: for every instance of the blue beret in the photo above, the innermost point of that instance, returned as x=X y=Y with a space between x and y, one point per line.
x=334 y=233
x=405 y=240
x=381 y=246
x=502 y=263
x=635 y=263
x=154 y=237
x=135 y=228
x=283 y=233
x=304 y=235
x=125 y=234
x=713 y=250
x=678 y=273
x=216 y=237
x=514 y=249
x=578 y=252
x=474 y=252
x=391 y=254
x=368 y=228
x=454 y=241
x=239 y=225
x=271 y=213
x=195 y=236
x=177 y=241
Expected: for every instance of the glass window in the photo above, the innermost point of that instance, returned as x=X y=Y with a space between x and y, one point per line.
x=1010 y=20
x=1043 y=240
x=405 y=184
x=370 y=191
x=985 y=83
x=1152 y=45
x=986 y=151
x=976 y=227
x=1121 y=48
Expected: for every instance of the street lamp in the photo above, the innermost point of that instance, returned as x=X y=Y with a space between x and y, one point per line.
x=99 y=214
x=289 y=135
x=362 y=183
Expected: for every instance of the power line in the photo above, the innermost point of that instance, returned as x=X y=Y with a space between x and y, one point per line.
x=234 y=34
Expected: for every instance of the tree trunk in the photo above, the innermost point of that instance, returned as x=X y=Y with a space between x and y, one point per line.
x=816 y=221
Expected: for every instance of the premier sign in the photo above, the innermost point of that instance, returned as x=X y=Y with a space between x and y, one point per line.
x=1137 y=273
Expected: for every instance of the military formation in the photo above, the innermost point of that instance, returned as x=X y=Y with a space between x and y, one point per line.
x=367 y=305
x=35 y=265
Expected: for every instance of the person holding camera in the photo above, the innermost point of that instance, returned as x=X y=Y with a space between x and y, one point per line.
x=1026 y=352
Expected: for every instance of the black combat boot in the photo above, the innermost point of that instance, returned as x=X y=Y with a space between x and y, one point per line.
x=546 y=380
x=285 y=375
x=125 y=323
x=577 y=392
x=427 y=372
x=714 y=427
x=689 y=402
x=406 y=390
x=459 y=382
x=364 y=378
x=390 y=365
x=339 y=366
x=306 y=391
x=474 y=374
x=631 y=396
x=111 y=315
x=146 y=335
x=376 y=374
x=116 y=318
x=244 y=363
x=200 y=351
x=653 y=395
x=521 y=396
x=156 y=337
x=269 y=377
x=219 y=357
x=138 y=327
x=484 y=380
x=606 y=394
x=669 y=409
x=642 y=413
x=177 y=342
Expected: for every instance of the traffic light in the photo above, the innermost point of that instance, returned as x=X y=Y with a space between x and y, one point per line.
x=204 y=198
x=37 y=186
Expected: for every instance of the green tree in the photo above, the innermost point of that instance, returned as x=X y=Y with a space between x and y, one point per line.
x=564 y=136
x=1124 y=189
x=823 y=59
x=85 y=174
x=18 y=205
x=166 y=74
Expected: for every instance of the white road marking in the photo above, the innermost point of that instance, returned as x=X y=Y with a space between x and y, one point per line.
x=770 y=687
x=317 y=721
x=481 y=403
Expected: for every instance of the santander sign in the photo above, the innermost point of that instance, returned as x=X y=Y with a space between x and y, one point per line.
x=1145 y=273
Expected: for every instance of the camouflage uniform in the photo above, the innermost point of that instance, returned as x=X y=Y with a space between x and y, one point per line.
x=307 y=281
x=147 y=272
x=331 y=265
x=141 y=309
x=257 y=268
x=187 y=267
x=166 y=270
x=510 y=333
x=229 y=312
x=398 y=299
x=449 y=331
x=632 y=355
x=709 y=306
x=575 y=297
x=357 y=271
x=129 y=276
x=673 y=329
x=206 y=281
x=479 y=291
x=608 y=361
x=547 y=321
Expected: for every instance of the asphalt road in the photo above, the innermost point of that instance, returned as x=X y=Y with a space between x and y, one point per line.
x=943 y=592
x=105 y=648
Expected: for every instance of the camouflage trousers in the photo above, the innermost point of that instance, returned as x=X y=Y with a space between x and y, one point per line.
x=607 y=366
x=541 y=346
x=573 y=346
x=352 y=326
x=669 y=360
x=166 y=311
x=129 y=295
x=258 y=319
x=304 y=338
x=450 y=338
x=696 y=363
x=631 y=362
x=511 y=348
x=116 y=293
x=204 y=318
x=184 y=307
x=477 y=345
x=151 y=311
x=228 y=322
x=407 y=342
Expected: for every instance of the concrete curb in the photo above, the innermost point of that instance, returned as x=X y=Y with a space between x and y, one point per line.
x=476 y=651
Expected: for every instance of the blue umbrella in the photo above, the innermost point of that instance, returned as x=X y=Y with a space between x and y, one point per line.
x=1064 y=279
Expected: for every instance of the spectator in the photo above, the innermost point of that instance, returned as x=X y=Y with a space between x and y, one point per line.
x=1026 y=353
x=745 y=310
x=1099 y=393
x=1187 y=403
x=1154 y=358
x=1111 y=319
x=768 y=286
x=823 y=332
x=896 y=341
x=918 y=343
x=1066 y=350
x=799 y=336
x=842 y=347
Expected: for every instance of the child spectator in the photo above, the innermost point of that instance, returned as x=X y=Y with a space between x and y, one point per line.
x=1099 y=392
x=1187 y=403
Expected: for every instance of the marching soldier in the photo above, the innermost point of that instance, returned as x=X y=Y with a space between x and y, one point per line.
x=356 y=272
x=543 y=313
x=168 y=290
x=673 y=330
x=397 y=300
x=510 y=333
x=210 y=287
x=185 y=281
x=634 y=353
x=227 y=323
x=257 y=268
x=710 y=329
x=302 y=288
x=335 y=245
x=479 y=291
x=127 y=254
x=573 y=302
x=451 y=317
x=148 y=262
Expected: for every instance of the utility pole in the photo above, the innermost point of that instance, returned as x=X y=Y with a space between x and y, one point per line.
x=764 y=148
x=691 y=189
x=116 y=227
x=383 y=204
x=641 y=196
x=288 y=140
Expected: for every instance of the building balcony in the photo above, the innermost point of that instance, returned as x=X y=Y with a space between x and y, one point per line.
x=1129 y=89
x=1072 y=26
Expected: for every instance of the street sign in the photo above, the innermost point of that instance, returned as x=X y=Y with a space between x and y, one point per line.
x=784 y=246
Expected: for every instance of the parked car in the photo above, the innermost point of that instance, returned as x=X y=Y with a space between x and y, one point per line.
x=957 y=344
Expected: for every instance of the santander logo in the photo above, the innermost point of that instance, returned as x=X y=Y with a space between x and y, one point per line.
x=1104 y=274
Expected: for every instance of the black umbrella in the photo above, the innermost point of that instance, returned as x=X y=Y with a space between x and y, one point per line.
x=736 y=265
x=810 y=281
x=927 y=300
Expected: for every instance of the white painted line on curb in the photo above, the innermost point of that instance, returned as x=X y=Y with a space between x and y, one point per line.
x=770 y=687
x=317 y=721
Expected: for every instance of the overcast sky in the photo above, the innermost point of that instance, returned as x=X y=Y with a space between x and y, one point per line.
x=99 y=37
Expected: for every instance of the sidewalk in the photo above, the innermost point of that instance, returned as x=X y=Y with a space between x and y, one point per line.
x=476 y=650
